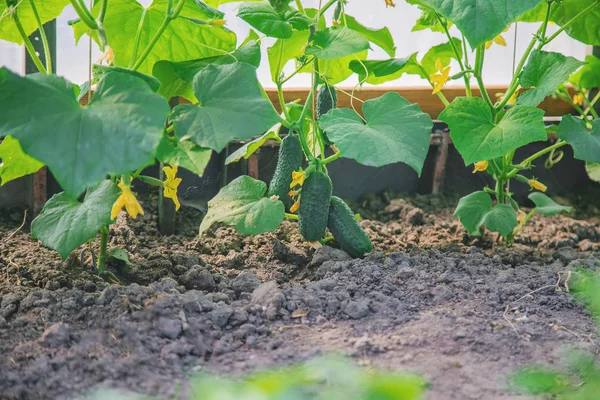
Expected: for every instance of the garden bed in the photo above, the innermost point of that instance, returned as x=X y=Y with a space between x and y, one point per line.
x=430 y=299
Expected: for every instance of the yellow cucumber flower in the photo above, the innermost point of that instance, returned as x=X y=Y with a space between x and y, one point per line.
x=170 y=185
x=578 y=99
x=480 y=166
x=128 y=200
x=293 y=193
x=335 y=149
x=499 y=40
x=297 y=178
x=440 y=78
x=274 y=197
x=390 y=3
x=295 y=207
x=537 y=185
x=108 y=56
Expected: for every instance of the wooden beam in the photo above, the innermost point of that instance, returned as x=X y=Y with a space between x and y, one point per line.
x=429 y=103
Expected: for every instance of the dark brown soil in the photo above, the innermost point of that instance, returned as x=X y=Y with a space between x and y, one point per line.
x=430 y=299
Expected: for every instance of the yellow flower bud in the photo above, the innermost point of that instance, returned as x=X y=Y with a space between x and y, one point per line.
x=537 y=185
x=295 y=207
x=480 y=166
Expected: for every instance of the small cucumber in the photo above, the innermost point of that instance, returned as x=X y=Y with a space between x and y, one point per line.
x=314 y=206
x=290 y=160
x=326 y=100
x=346 y=230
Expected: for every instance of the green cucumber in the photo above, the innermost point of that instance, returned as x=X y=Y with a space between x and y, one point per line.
x=346 y=230
x=326 y=101
x=314 y=206
x=290 y=160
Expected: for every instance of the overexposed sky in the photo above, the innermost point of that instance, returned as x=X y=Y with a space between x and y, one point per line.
x=73 y=59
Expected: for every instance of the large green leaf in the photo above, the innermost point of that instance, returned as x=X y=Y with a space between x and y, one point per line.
x=476 y=210
x=47 y=11
x=588 y=76
x=183 y=153
x=585 y=29
x=545 y=72
x=377 y=72
x=14 y=163
x=546 y=206
x=116 y=134
x=265 y=19
x=395 y=131
x=65 y=224
x=250 y=148
x=243 y=204
x=586 y=145
x=332 y=43
x=481 y=20
x=477 y=137
x=183 y=39
x=380 y=37
x=232 y=106
x=176 y=78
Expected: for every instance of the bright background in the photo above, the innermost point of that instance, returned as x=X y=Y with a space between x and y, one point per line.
x=73 y=59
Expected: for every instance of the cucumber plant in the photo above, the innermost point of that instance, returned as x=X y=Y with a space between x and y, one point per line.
x=487 y=133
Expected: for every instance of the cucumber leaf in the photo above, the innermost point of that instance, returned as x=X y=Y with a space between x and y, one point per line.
x=477 y=137
x=476 y=210
x=115 y=134
x=65 y=223
x=586 y=145
x=395 y=131
x=232 y=106
x=243 y=205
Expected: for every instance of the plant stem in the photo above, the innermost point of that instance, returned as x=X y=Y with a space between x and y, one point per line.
x=592 y=103
x=572 y=20
x=136 y=43
x=325 y=8
x=103 y=248
x=526 y=162
x=150 y=180
x=591 y=107
x=293 y=217
x=297 y=71
x=331 y=158
x=47 y=54
x=84 y=14
x=170 y=15
x=479 y=55
x=544 y=27
x=102 y=12
x=299 y=6
x=457 y=54
x=28 y=45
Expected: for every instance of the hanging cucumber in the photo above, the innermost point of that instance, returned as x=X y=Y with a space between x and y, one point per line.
x=326 y=101
x=290 y=160
x=314 y=206
x=346 y=230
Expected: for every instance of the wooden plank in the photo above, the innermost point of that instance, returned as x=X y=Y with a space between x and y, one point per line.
x=429 y=103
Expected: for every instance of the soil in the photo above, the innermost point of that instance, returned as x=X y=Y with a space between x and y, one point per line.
x=465 y=312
